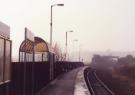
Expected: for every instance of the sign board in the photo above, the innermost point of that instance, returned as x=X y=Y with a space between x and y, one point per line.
x=4 y=30
x=29 y=35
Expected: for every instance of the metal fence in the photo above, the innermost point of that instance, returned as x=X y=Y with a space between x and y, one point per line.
x=41 y=77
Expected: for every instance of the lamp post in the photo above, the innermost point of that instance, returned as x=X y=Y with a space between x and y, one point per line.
x=67 y=43
x=73 y=48
x=79 y=53
x=51 y=28
x=51 y=61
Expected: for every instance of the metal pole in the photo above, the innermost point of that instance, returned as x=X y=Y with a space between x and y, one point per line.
x=51 y=27
x=19 y=56
x=79 y=53
x=66 y=47
x=42 y=57
x=51 y=30
x=33 y=81
x=67 y=56
x=24 y=75
x=50 y=42
x=74 y=58
x=73 y=52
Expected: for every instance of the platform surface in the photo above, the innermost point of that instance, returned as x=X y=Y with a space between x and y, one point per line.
x=63 y=85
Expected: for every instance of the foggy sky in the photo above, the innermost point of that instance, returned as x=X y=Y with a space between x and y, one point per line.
x=99 y=25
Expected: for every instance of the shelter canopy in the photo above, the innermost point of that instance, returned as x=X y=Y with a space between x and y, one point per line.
x=39 y=45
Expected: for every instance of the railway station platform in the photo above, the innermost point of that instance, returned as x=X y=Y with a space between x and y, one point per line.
x=70 y=83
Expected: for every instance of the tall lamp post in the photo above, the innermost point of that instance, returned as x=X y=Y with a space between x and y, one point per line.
x=73 y=48
x=79 y=53
x=51 y=21
x=67 y=43
x=51 y=61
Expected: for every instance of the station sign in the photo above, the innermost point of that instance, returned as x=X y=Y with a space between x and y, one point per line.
x=29 y=35
x=4 y=30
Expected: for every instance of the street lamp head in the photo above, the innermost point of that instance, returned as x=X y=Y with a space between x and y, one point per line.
x=75 y=40
x=60 y=4
x=71 y=31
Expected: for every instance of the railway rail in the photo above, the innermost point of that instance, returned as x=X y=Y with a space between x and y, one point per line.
x=95 y=85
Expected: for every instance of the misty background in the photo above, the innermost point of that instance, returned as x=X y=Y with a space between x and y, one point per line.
x=98 y=25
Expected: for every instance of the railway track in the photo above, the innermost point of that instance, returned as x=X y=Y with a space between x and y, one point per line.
x=95 y=85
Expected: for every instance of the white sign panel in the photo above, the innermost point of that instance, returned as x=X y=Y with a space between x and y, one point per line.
x=4 y=30
x=29 y=35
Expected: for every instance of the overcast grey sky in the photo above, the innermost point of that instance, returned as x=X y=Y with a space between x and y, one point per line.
x=99 y=25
